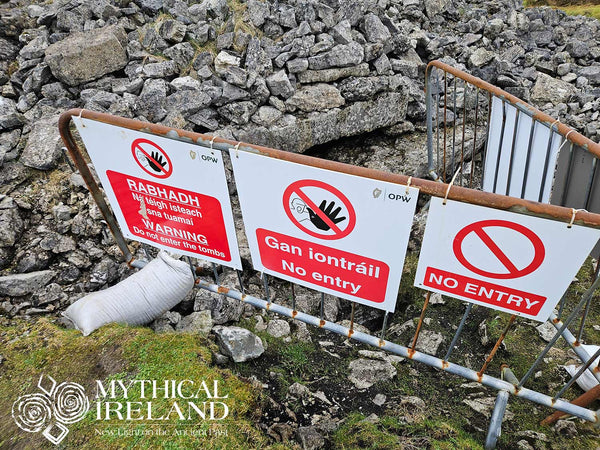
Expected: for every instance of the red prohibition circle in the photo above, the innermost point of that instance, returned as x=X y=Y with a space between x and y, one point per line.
x=513 y=271
x=296 y=188
x=136 y=145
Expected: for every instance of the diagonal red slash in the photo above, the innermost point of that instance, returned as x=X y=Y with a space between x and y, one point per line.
x=513 y=271
x=487 y=240
x=318 y=211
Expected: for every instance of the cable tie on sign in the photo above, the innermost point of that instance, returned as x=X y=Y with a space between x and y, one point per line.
x=565 y=141
x=408 y=184
x=554 y=123
x=79 y=116
x=449 y=186
x=212 y=142
x=236 y=148
x=574 y=213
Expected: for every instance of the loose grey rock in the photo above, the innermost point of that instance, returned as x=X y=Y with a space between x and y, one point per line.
x=43 y=149
x=297 y=65
x=238 y=343
x=329 y=75
x=429 y=342
x=299 y=391
x=364 y=373
x=548 y=89
x=546 y=331
x=379 y=399
x=481 y=57
x=342 y=32
x=161 y=69
x=166 y=322
x=309 y=438
x=316 y=97
x=374 y=30
x=199 y=322
x=35 y=48
x=351 y=54
x=25 y=283
x=566 y=428
x=224 y=61
x=9 y=115
x=83 y=57
x=258 y=11
x=434 y=7
x=238 y=113
x=266 y=116
x=151 y=102
x=485 y=406
x=172 y=31
x=223 y=309
x=279 y=84
x=278 y=328
x=592 y=73
x=11 y=226
x=206 y=118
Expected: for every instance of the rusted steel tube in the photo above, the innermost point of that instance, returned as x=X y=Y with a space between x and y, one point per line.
x=497 y=346
x=569 y=133
x=428 y=187
x=420 y=324
x=86 y=174
x=583 y=400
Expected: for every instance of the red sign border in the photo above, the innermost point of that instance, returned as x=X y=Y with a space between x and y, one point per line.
x=319 y=184
x=538 y=245
x=137 y=141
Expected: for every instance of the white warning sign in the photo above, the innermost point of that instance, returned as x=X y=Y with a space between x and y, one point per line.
x=170 y=194
x=336 y=233
x=502 y=260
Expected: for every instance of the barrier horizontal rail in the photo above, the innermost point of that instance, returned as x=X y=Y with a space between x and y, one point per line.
x=428 y=187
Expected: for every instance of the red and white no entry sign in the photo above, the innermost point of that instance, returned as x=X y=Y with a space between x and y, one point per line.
x=502 y=260
x=151 y=158
x=334 y=218
x=516 y=231
x=325 y=230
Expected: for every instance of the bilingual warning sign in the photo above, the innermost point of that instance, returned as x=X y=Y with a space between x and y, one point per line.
x=339 y=234
x=170 y=194
x=506 y=261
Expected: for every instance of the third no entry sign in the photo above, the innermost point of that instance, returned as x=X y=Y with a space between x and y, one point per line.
x=339 y=234
x=502 y=260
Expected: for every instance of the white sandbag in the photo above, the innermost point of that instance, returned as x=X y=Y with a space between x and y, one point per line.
x=137 y=300
x=586 y=381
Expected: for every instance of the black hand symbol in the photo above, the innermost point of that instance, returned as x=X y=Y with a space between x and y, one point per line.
x=156 y=158
x=329 y=212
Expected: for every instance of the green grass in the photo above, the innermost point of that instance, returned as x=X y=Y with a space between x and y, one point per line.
x=121 y=353
x=394 y=431
x=589 y=10
x=583 y=10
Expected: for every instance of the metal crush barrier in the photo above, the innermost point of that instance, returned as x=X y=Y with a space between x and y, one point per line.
x=507 y=383
x=499 y=143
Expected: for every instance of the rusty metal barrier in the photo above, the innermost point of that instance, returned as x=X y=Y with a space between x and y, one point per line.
x=462 y=135
x=506 y=384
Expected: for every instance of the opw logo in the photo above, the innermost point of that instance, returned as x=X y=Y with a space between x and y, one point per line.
x=51 y=409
